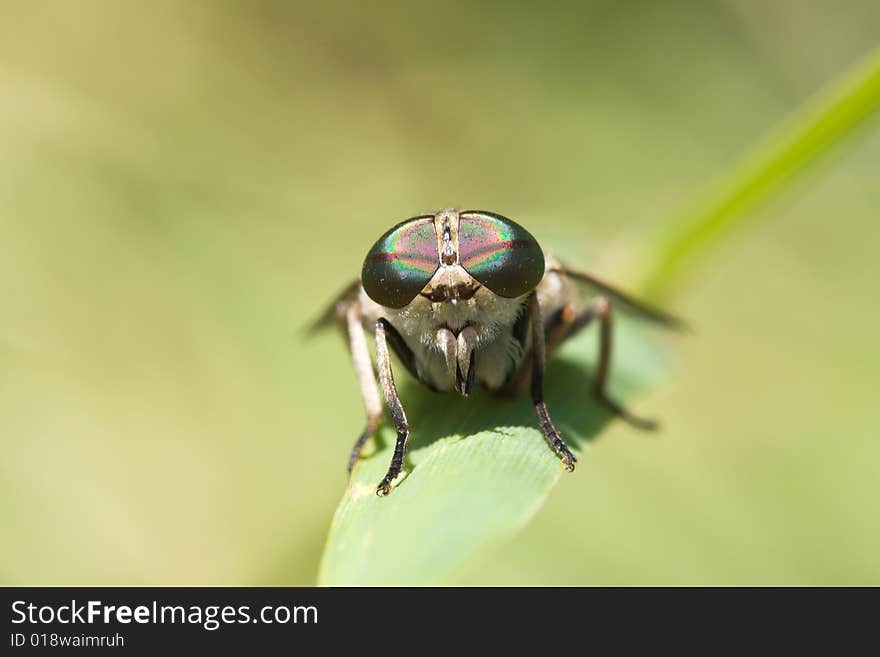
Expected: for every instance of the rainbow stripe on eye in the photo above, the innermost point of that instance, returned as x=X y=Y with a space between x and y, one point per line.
x=401 y=262
x=485 y=243
x=411 y=247
x=499 y=253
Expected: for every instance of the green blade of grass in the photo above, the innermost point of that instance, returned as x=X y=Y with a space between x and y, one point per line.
x=821 y=123
x=478 y=468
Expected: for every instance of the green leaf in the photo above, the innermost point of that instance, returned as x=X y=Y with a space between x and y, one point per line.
x=820 y=124
x=478 y=470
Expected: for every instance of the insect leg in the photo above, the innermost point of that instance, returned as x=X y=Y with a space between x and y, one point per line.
x=624 y=300
x=366 y=379
x=386 y=379
x=601 y=309
x=538 y=360
x=558 y=327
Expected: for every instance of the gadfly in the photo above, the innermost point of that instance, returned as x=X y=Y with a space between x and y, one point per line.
x=466 y=298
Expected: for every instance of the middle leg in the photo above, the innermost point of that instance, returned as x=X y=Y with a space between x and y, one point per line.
x=366 y=380
x=567 y=323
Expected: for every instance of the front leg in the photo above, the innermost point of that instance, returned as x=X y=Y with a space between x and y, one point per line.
x=386 y=380
x=539 y=355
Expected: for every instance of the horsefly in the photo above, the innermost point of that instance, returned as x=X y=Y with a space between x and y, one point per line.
x=467 y=298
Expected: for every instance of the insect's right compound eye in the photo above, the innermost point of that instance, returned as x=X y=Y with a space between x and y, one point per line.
x=401 y=262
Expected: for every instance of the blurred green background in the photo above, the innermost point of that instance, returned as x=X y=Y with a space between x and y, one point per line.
x=184 y=185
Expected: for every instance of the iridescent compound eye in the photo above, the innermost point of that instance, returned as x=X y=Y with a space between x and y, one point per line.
x=499 y=253
x=401 y=262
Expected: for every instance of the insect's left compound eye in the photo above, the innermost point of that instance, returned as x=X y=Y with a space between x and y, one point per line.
x=499 y=253
x=401 y=262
